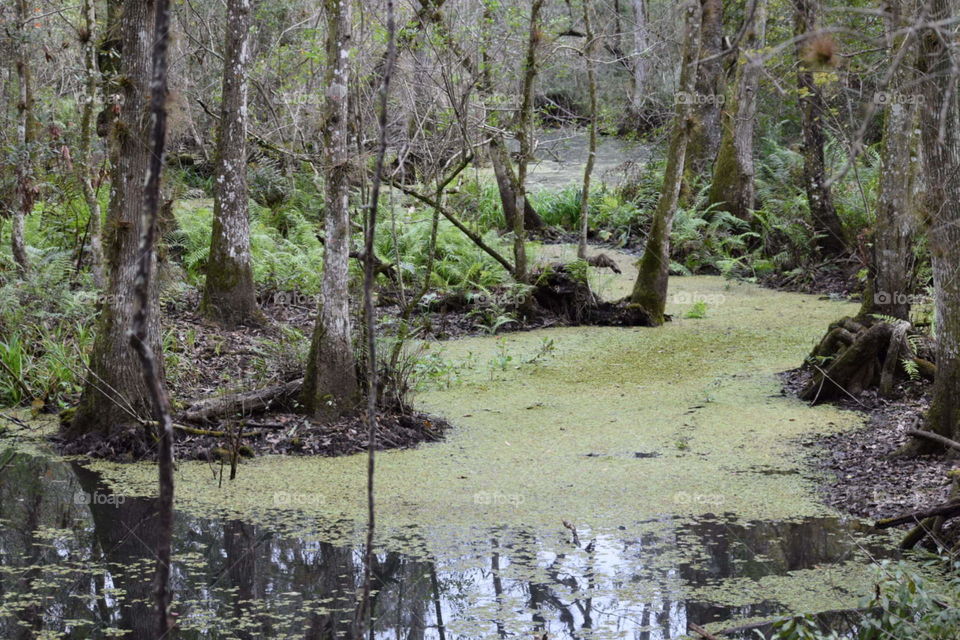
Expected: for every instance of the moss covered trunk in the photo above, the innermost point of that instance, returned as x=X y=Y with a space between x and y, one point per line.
x=812 y=111
x=114 y=393
x=941 y=146
x=732 y=188
x=330 y=384
x=229 y=296
x=892 y=261
x=650 y=290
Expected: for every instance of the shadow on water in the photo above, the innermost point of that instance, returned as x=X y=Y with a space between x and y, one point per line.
x=76 y=561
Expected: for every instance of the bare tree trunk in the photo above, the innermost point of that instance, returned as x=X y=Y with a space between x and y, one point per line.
x=641 y=67
x=525 y=138
x=650 y=290
x=507 y=185
x=84 y=169
x=589 y=49
x=892 y=269
x=229 y=295
x=365 y=609
x=115 y=394
x=705 y=137
x=150 y=358
x=732 y=187
x=812 y=109
x=26 y=130
x=941 y=147
x=330 y=384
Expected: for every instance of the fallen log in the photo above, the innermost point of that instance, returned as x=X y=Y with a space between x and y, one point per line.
x=243 y=403
x=929 y=435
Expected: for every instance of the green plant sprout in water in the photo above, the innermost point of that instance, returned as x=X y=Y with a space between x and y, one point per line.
x=697 y=312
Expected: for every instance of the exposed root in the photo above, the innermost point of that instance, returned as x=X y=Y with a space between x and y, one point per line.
x=861 y=353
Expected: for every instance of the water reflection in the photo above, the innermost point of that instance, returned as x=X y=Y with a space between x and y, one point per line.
x=77 y=562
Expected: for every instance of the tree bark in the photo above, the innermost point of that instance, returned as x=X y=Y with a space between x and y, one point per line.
x=732 y=188
x=229 y=295
x=330 y=384
x=525 y=138
x=705 y=136
x=641 y=66
x=941 y=158
x=83 y=167
x=26 y=132
x=890 y=280
x=650 y=290
x=115 y=393
x=589 y=49
x=812 y=109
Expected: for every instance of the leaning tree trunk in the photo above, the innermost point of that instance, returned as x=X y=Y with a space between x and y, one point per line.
x=229 y=296
x=732 y=188
x=508 y=185
x=330 y=384
x=650 y=290
x=26 y=128
x=705 y=135
x=812 y=109
x=941 y=159
x=115 y=393
x=891 y=271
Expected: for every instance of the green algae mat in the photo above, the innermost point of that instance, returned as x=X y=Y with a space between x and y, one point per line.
x=670 y=452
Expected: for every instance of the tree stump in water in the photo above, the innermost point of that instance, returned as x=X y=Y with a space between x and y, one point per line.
x=562 y=292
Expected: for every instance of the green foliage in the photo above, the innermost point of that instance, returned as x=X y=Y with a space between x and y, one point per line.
x=909 y=602
x=697 y=312
x=282 y=261
x=46 y=325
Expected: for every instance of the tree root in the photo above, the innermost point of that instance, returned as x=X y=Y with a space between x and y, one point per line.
x=862 y=353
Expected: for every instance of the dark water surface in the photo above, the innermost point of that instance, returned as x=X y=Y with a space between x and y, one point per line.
x=76 y=561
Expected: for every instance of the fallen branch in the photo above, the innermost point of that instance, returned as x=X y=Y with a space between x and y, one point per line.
x=703 y=633
x=929 y=435
x=240 y=403
x=948 y=510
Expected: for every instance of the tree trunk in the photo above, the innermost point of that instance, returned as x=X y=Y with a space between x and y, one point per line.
x=507 y=186
x=732 y=188
x=84 y=170
x=705 y=136
x=229 y=295
x=525 y=138
x=115 y=393
x=330 y=384
x=650 y=290
x=890 y=280
x=589 y=49
x=941 y=146
x=812 y=109
x=641 y=67
x=26 y=129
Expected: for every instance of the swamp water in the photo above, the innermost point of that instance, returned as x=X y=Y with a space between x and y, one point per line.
x=670 y=450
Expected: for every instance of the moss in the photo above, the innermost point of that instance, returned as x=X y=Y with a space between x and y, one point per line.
x=557 y=440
